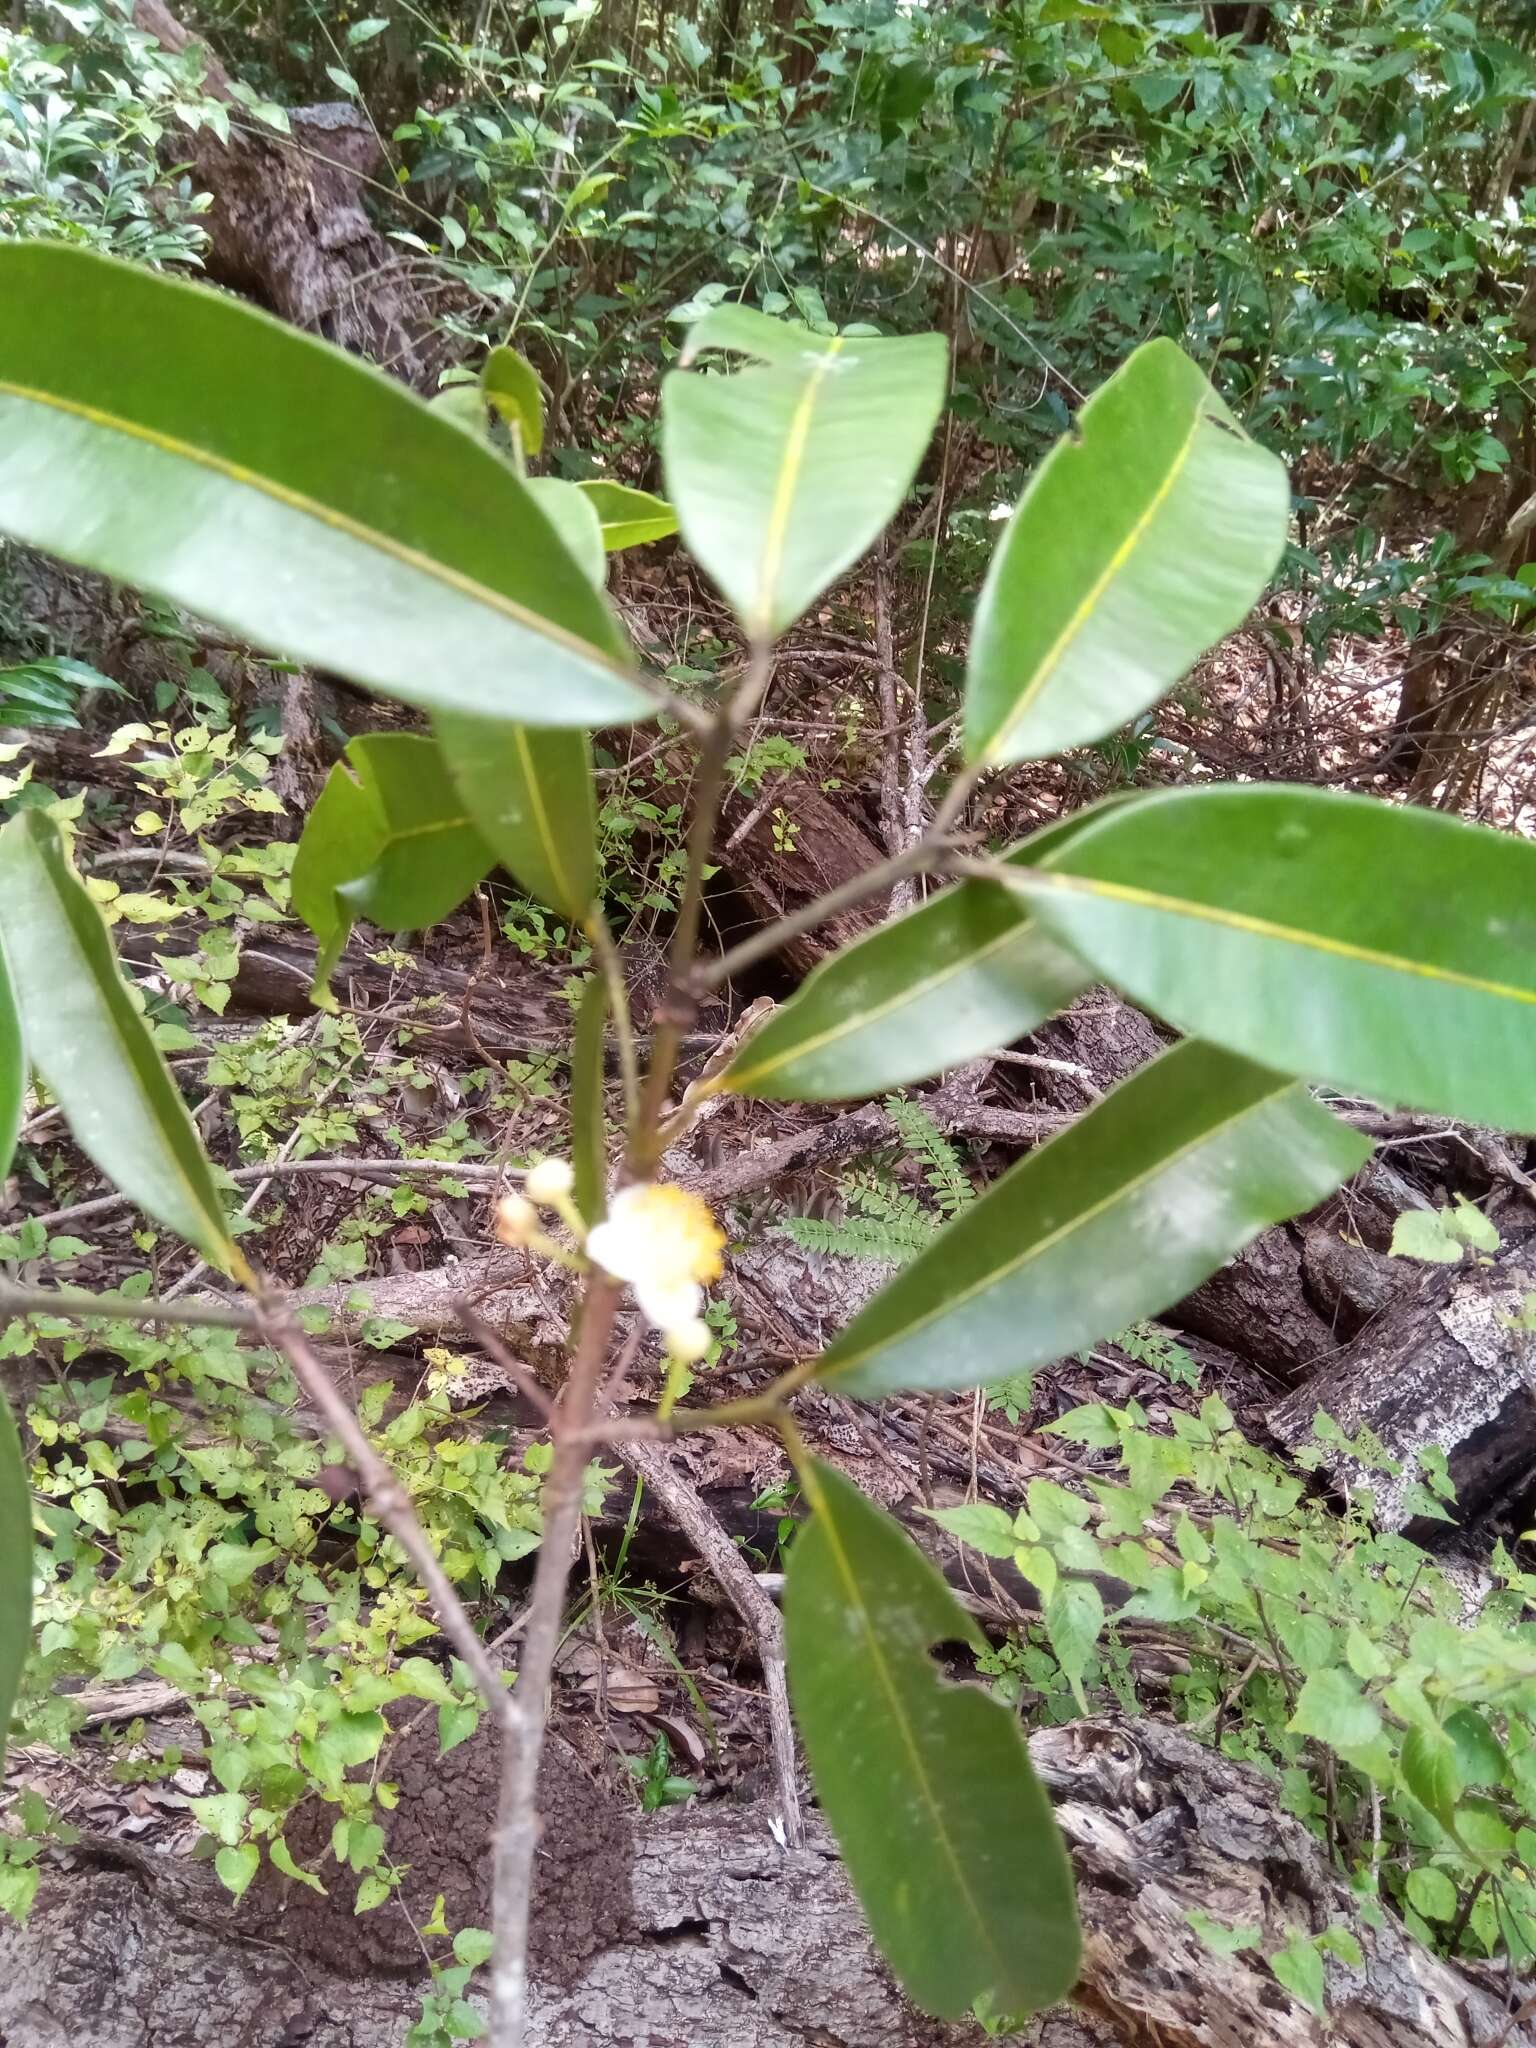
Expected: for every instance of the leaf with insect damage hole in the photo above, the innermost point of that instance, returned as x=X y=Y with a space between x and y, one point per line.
x=945 y=1829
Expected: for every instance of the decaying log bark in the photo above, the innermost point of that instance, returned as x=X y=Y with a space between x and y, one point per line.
x=1159 y=1827
x=1448 y=1366
x=288 y=228
x=1099 y=1041
x=512 y=1008
x=709 y=1934
x=782 y=852
x=1257 y=1306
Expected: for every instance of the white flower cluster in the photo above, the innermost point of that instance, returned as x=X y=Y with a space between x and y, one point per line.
x=658 y=1238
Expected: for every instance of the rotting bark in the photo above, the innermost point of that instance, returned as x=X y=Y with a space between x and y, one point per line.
x=709 y=1933
x=1448 y=1366
x=785 y=847
x=1159 y=1827
x=512 y=1008
x=1257 y=1306
x=288 y=227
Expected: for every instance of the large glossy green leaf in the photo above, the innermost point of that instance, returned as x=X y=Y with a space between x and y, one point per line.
x=171 y=436
x=530 y=792
x=15 y=1566
x=783 y=473
x=1388 y=950
x=1134 y=1205
x=92 y=1047
x=389 y=839
x=1148 y=532
x=957 y=977
x=946 y=1832
x=13 y=1072
x=628 y=517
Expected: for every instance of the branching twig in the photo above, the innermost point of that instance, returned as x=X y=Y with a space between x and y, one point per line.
x=388 y=1500
x=682 y=1502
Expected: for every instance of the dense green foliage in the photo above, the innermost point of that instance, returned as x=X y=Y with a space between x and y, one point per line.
x=1324 y=201
x=1331 y=1655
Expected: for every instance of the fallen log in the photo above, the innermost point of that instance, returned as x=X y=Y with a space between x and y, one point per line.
x=1451 y=1366
x=1160 y=1827
x=696 y=1925
x=511 y=1007
x=789 y=847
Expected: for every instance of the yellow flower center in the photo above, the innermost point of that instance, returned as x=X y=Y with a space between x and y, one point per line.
x=680 y=1235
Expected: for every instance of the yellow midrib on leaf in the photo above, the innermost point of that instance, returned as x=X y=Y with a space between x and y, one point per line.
x=1265 y=928
x=1056 y=653
x=782 y=507
x=1080 y=1220
x=862 y=1020
x=326 y=515
x=542 y=825
x=875 y=1651
x=56 y=890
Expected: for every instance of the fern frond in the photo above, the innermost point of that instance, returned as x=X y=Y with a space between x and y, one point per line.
x=873 y=1192
x=855 y=1237
x=1164 y=1354
x=922 y=1137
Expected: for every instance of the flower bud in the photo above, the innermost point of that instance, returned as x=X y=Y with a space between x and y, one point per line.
x=549 y=1182
x=688 y=1342
x=516 y=1220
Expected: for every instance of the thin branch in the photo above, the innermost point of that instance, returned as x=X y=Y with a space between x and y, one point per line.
x=389 y=1502
x=712 y=974
x=252 y=1202
x=933 y=850
x=608 y=959
x=517 y=1821
x=514 y=1368
x=683 y=1503
x=680 y=1003
x=892 y=808
x=288 y=1169
x=124 y=1308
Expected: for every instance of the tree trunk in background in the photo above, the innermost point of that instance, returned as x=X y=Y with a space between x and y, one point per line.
x=724 y=59
x=288 y=227
x=1463 y=682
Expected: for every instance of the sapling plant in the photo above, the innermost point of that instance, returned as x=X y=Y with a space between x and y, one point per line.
x=303 y=501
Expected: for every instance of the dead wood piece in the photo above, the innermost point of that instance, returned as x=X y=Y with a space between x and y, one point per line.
x=790 y=846
x=1350 y=1283
x=140 y=1699
x=684 y=1504
x=791 y=1301
x=1449 y=1367
x=288 y=227
x=743 y=1169
x=516 y=1011
x=527 y=1307
x=1099 y=1037
x=715 y=1935
x=1158 y=1827
x=1257 y=1306
x=707 y=1932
